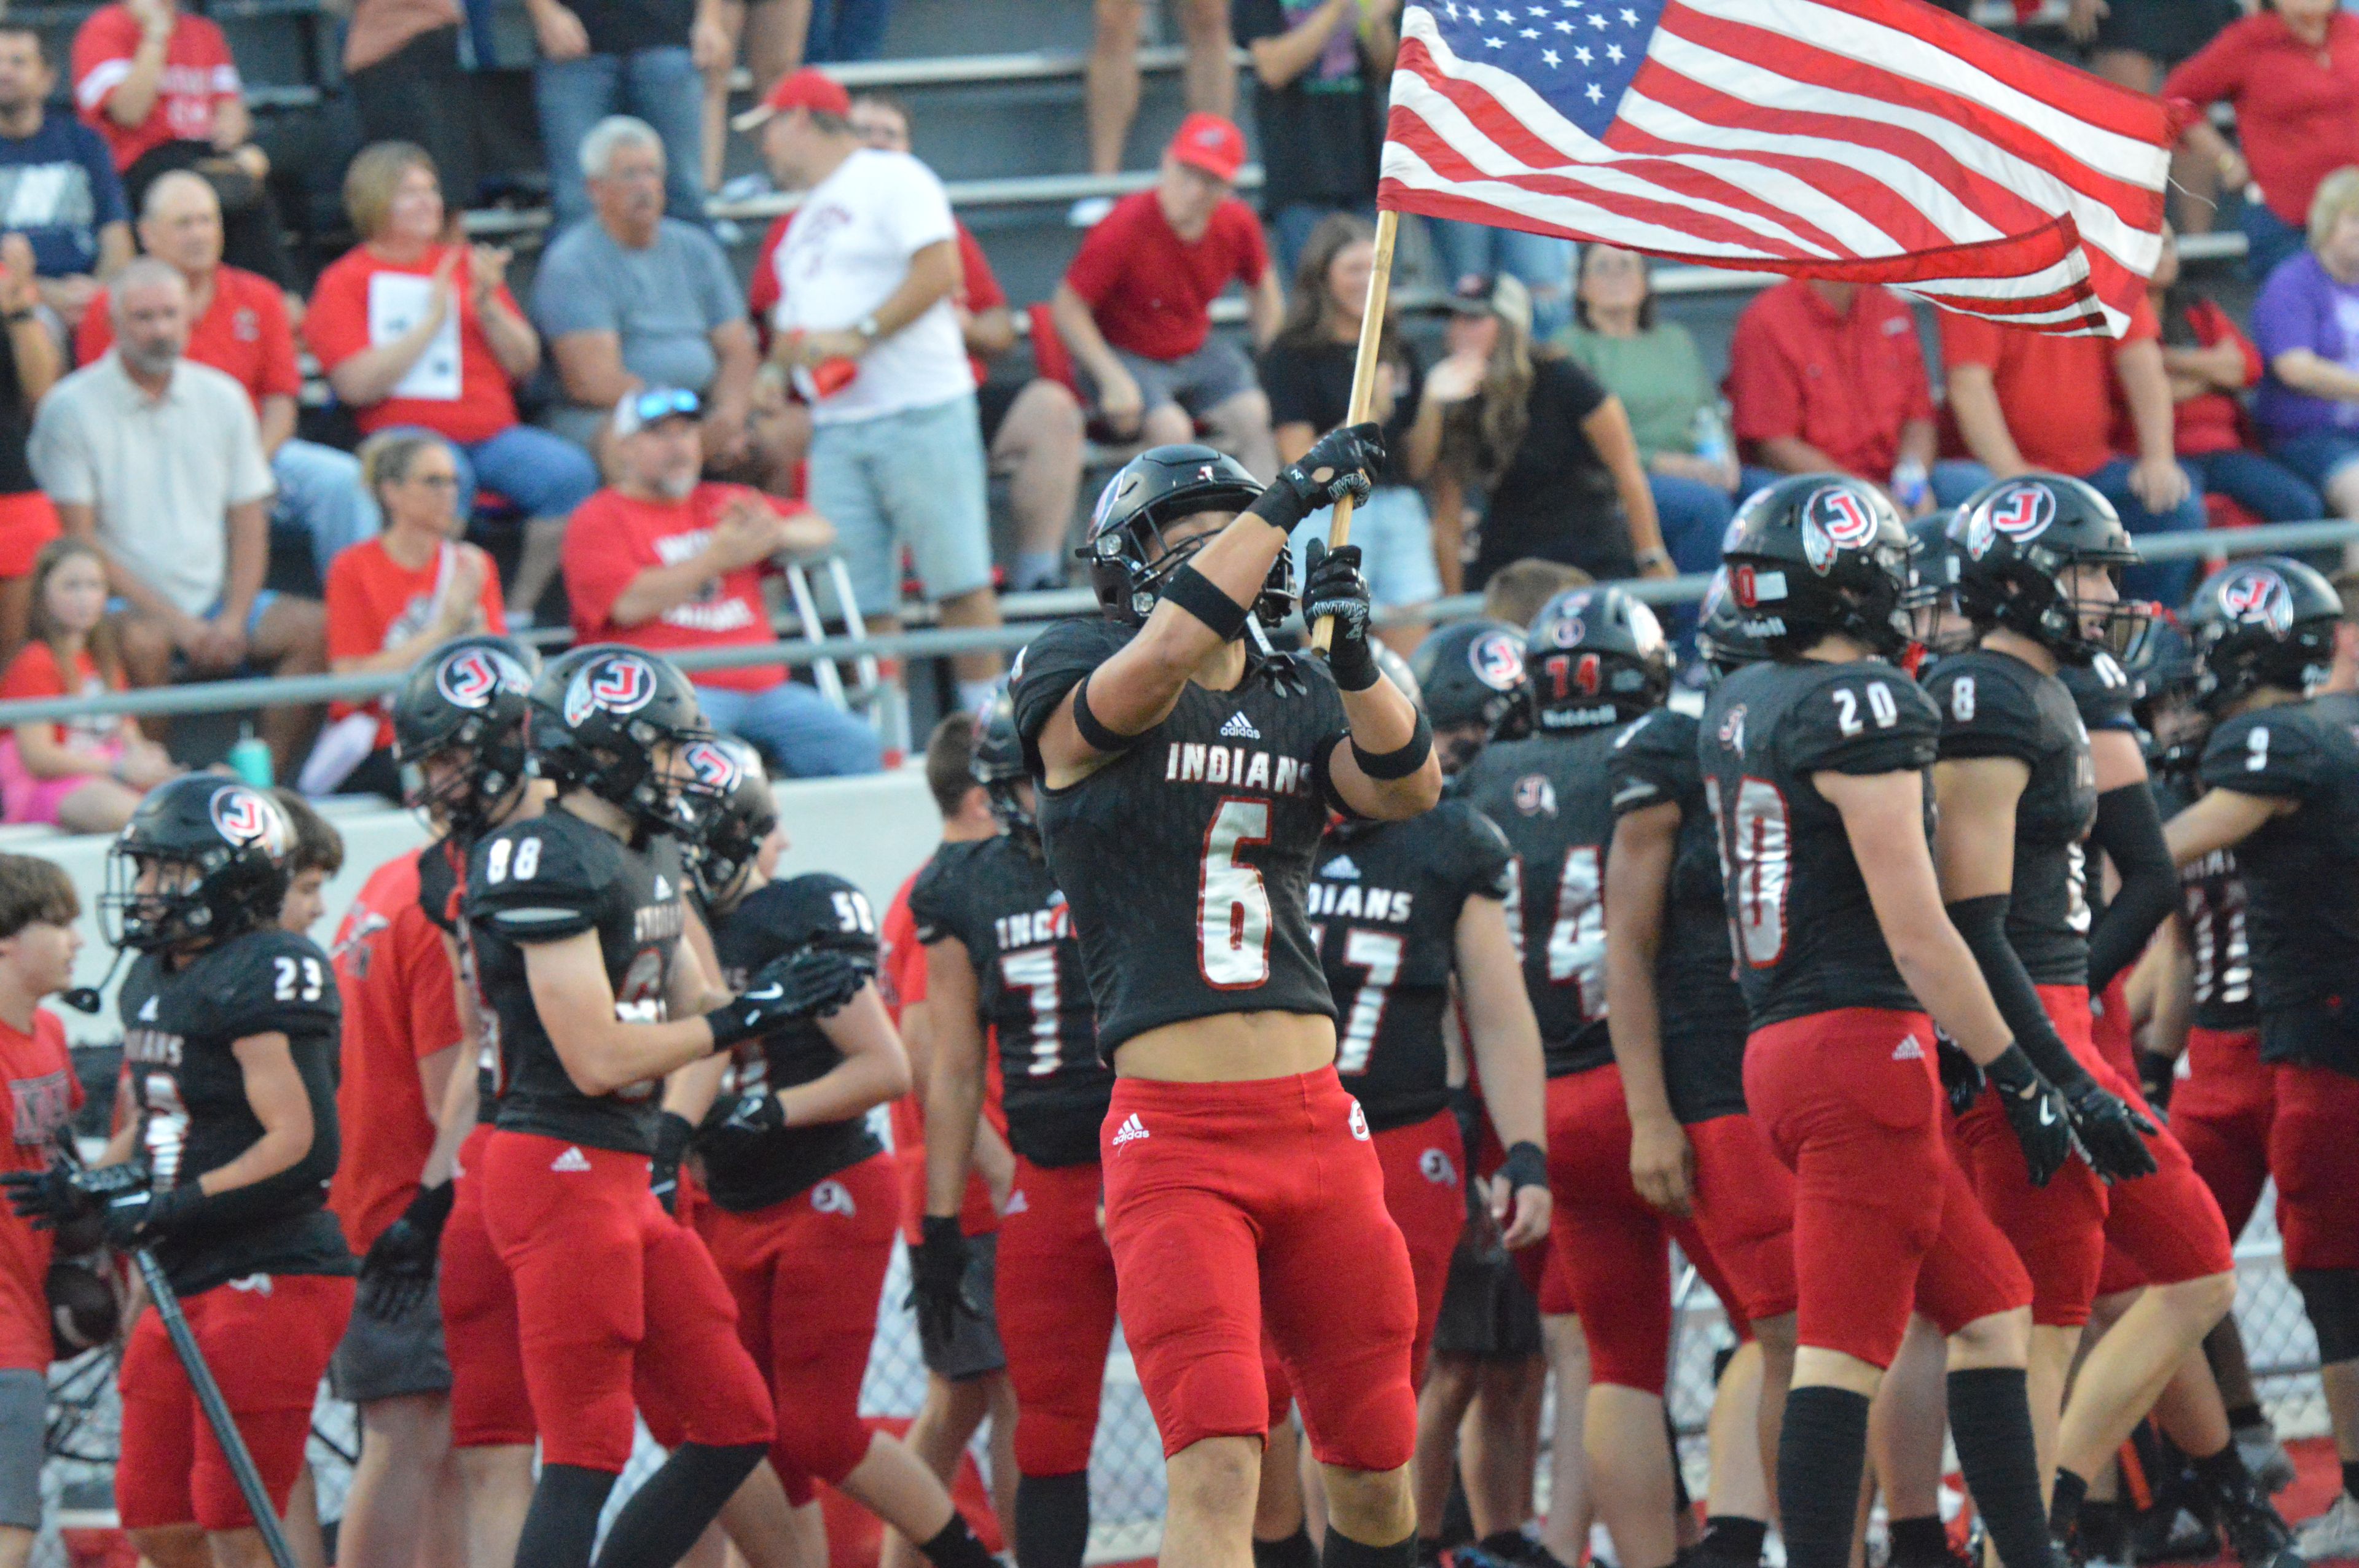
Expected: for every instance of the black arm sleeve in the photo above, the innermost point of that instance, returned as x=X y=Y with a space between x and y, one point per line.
x=1982 y=922
x=2129 y=830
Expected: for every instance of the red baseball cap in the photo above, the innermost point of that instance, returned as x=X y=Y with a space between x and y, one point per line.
x=809 y=88
x=1211 y=144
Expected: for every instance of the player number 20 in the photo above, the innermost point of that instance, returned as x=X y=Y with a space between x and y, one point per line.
x=1233 y=908
x=1881 y=707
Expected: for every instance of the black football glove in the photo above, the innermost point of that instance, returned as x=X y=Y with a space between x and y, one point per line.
x=812 y=982
x=938 y=1278
x=2109 y=1133
x=1341 y=462
x=1332 y=588
x=2042 y=1122
x=122 y=1196
x=399 y=1268
x=1960 y=1079
x=673 y=1132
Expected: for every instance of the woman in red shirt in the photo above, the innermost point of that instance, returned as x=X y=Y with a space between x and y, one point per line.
x=85 y=774
x=395 y=598
x=2210 y=362
x=416 y=329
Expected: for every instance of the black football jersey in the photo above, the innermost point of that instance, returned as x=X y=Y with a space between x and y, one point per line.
x=1550 y=797
x=179 y=1028
x=1994 y=705
x=2301 y=876
x=544 y=880
x=999 y=901
x=1184 y=858
x=743 y=1171
x=2212 y=902
x=1805 y=934
x=1700 y=1007
x=2103 y=692
x=1385 y=901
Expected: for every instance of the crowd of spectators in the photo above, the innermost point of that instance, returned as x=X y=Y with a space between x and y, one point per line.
x=648 y=445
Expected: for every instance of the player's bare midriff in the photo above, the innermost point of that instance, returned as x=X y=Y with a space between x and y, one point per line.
x=1229 y=1048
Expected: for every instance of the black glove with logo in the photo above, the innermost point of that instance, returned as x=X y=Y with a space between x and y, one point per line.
x=399 y=1268
x=2109 y=1131
x=1341 y=462
x=673 y=1131
x=812 y=982
x=938 y=1278
x=2037 y=1112
x=1960 y=1079
x=1332 y=588
x=123 y=1196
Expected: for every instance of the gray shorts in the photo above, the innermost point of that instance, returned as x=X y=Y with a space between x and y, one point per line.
x=380 y=1360
x=1197 y=382
x=916 y=477
x=973 y=1348
x=24 y=1408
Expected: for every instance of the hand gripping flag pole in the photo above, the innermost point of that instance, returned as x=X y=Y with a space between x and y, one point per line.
x=1364 y=386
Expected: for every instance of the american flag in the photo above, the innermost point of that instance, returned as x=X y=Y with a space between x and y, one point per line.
x=1868 y=141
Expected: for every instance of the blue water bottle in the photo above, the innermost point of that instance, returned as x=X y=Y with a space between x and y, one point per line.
x=250 y=759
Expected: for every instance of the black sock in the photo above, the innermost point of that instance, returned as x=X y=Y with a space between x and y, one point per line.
x=2222 y=1473
x=2100 y=1529
x=1341 y=1551
x=1819 y=1457
x=1920 y=1541
x=1730 y=1538
x=2244 y=1418
x=1990 y=1423
x=2350 y=1477
x=562 y=1523
x=1052 y=1520
x=1509 y=1546
x=1294 y=1552
x=667 y=1514
x=2064 y=1502
x=955 y=1547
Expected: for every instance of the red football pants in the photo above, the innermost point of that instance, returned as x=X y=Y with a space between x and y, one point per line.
x=2219 y=1112
x=618 y=1307
x=1425 y=1191
x=1744 y=1211
x=1883 y=1219
x=267 y=1340
x=1229 y=1205
x=1055 y=1302
x=490 y=1406
x=806 y=1275
x=2314 y=1154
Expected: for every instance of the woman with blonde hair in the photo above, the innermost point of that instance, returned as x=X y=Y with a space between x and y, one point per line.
x=2308 y=405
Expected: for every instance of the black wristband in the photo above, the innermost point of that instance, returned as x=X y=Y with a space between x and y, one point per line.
x=673 y=1131
x=430 y=1207
x=1526 y=1166
x=1093 y=733
x=1201 y=596
x=2011 y=1072
x=1401 y=764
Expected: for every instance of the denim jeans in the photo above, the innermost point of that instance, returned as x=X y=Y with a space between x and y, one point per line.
x=2268 y=239
x=2168 y=581
x=795 y=728
x=1290 y=232
x=540 y=474
x=662 y=87
x=320 y=489
x=846 y=31
x=1542 y=263
x=2262 y=486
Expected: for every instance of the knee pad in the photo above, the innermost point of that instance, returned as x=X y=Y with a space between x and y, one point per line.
x=2331 y=1298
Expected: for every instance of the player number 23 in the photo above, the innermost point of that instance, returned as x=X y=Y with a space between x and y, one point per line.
x=298 y=980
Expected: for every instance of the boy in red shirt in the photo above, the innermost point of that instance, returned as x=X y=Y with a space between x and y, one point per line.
x=1136 y=306
x=37 y=942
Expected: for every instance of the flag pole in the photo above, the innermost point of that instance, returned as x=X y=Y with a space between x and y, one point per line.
x=1363 y=385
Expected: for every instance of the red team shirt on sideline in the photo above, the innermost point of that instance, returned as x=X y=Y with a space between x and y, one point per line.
x=43 y=1092
x=400 y=1007
x=901 y=976
x=243 y=333
x=978 y=289
x=2214 y=422
x=1151 y=291
x=2293 y=104
x=375 y=601
x=337 y=327
x=2058 y=391
x=198 y=73
x=1845 y=383
x=614 y=537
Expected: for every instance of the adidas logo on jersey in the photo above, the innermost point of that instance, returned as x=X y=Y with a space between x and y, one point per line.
x=1341 y=868
x=1908 y=1050
x=147 y=1010
x=1130 y=1131
x=572 y=1160
x=663 y=886
x=1239 y=728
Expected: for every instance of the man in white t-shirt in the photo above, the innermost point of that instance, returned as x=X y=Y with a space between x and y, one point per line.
x=866 y=322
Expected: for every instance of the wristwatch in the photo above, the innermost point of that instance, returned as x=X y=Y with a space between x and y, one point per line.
x=868 y=329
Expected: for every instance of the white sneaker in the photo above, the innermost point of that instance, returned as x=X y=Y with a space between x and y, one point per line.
x=1089 y=212
x=2266 y=1457
x=2334 y=1533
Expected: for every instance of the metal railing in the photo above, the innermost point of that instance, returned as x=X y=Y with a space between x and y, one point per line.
x=234 y=696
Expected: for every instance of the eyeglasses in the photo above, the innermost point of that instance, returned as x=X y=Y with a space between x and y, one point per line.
x=436 y=480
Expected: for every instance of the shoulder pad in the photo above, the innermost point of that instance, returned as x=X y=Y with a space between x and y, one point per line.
x=820 y=907
x=2272 y=752
x=438 y=885
x=1863 y=717
x=1053 y=664
x=2102 y=691
x=1653 y=761
x=934 y=897
x=1988 y=708
x=272 y=979
x=540 y=881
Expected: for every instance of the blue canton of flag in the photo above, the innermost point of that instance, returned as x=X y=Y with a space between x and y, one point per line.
x=1580 y=55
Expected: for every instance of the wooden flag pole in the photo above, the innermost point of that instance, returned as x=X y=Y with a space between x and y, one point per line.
x=1364 y=386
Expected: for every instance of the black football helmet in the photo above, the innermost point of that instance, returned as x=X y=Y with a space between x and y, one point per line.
x=467 y=697
x=998 y=767
x=1721 y=639
x=1128 y=560
x=596 y=717
x=2164 y=678
x=1820 y=553
x=1940 y=564
x=1597 y=656
x=2016 y=538
x=731 y=812
x=215 y=852
x=1471 y=673
x=2263 y=623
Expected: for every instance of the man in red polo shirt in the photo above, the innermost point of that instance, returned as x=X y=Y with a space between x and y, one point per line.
x=665 y=561
x=1827 y=377
x=2025 y=400
x=1136 y=306
x=239 y=327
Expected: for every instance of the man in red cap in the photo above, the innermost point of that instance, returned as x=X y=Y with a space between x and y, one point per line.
x=1136 y=307
x=868 y=275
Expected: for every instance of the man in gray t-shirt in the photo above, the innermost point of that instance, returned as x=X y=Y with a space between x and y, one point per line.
x=630 y=298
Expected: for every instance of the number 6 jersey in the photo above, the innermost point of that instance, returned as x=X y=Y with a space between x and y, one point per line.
x=1185 y=856
x=1807 y=938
